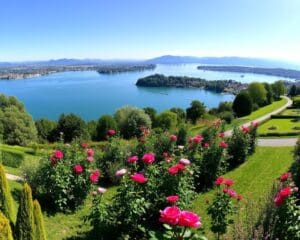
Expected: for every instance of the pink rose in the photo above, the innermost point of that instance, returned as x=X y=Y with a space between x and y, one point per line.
x=185 y=161
x=111 y=132
x=90 y=159
x=179 y=166
x=139 y=178
x=285 y=192
x=245 y=129
x=189 y=219
x=221 y=134
x=231 y=193
x=94 y=176
x=121 y=172
x=278 y=200
x=173 y=170
x=223 y=144
x=148 y=158
x=206 y=145
x=170 y=215
x=172 y=199
x=84 y=145
x=90 y=152
x=219 y=181
x=228 y=182
x=101 y=190
x=173 y=138
x=285 y=176
x=78 y=169
x=58 y=154
x=132 y=159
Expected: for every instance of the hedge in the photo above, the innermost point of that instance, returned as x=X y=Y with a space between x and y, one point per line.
x=283 y=116
x=11 y=158
x=277 y=134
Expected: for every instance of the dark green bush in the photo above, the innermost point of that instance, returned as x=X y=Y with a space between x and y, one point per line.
x=227 y=116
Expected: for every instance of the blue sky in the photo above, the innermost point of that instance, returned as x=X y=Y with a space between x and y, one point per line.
x=139 y=29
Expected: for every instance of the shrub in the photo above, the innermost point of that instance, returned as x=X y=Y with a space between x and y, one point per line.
x=39 y=228
x=5 y=230
x=182 y=135
x=6 y=201
x=25 y=222
x=181 y=115
x=45 y=129
x=130 y=120
x=242 y=104
x=227 y=116
x=152 y=114
x=105 y=123
x=166 y=120
x=195 y=111
x=65 y=178
x=11 y=158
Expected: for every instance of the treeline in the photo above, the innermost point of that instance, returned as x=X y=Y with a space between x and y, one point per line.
x=159 y=80
x=280 y=72
x=125 y=68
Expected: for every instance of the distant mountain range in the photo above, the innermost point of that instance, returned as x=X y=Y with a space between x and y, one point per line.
x=167 y=59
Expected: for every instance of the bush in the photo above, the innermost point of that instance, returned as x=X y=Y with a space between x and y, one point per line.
x=242 y=104
x=5 y=230
x=65 y=178
x=227 y=117
x=6 y=201
x=46 y=130
x=166 y=120
x=11 y=158
x=130 y=120
x=195 y=111
x=182 y=135
x=105 y=123
x=25 y=221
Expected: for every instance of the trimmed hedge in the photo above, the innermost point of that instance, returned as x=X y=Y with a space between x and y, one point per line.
x=276 y=134
x=283 y=116
x=11 y=158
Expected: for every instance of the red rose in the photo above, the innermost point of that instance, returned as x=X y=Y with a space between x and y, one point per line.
x=139 y=178
x=180 y=166
x=245 y=129
x=84 y=145
x=172 y=199
x=285 y=176
x=219 y=181
x=111 y=132
x=221 y=134
x=206 y=145
x=58 y=154
x=189 y=219
x=132 y=159
x=228 y=182
x=285 y=192
x=223 y=144
x=173 y=170
x=90 y=152
x=148 y=158
x=94 y=176
x=170 y=215
x=173 y=138
x=278 y=200
x=78 y=169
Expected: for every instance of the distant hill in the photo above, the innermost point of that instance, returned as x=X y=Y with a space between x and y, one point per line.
x=230 y=61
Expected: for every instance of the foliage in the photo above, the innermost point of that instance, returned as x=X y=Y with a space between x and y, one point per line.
x=11 y=157
x=65 y=178
x=6 y=201
x=182 y=135
x=242 y=104
x=195 y=111
x=152 y=114
x=269 y=96
x=258 y=93
x=72 y=127
x=227 y=116
x=278 y=89
x=39 y=228
x=105 y=123
x=5 y=229
x=92 y=129
x=130 y=120
x=181 y=115
x=166 y=120
x=293 y=91
x=24 y=229
x=46 y=130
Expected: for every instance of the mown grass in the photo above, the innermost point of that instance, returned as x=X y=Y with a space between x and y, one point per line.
x=291 y=112
x=279 y=126
x=253 y=179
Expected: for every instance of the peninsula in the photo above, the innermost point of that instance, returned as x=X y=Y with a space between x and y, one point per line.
x=159 y=80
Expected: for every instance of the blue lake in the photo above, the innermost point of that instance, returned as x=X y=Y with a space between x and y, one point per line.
x=91 y=95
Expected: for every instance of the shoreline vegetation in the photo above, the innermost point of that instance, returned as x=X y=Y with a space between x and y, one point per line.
x=280 y=72
x=24 y=72
x=218 y=86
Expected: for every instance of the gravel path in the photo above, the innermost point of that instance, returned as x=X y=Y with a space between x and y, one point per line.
x=13 y=177
x=277 y=142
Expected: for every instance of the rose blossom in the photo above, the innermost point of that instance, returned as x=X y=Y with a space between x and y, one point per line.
x=231 y=193
x=101 y=190
x=219 y=181
x=78 y=169
x=223 y=144
x=221 y=134
x=90 y=159
x=245 y=129
x=173 y=170
x=179 y=166
x=278 y=200
x=121 y=172
x=285 y=192
x=111 y=132
x=132 y=159
x=170 y=215
x=148 y=158
x=94 y=176
x=189 y=219
x=173 y=138
x=206 y=145
x=172 y=199
x=90 y=152
x=139 y=178
x=84 y=145
x=285 y=176
x=185 y=161
x=228 y=182
x=58 y=154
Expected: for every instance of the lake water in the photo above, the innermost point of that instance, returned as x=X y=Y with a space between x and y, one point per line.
x=91 y=95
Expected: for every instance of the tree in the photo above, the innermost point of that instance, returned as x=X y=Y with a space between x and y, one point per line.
x=130 y=120
x=6 y=201
x=40 y=233
x=258 y=93
x=25 y=221
x=72 y=127
x=5 y=229
x=92 y=129
x=278 y=89
x=166 y=120
x=151 y=112
x=105 y=123
x=180 y=114
x=242 y=104
x=195 y=111
x=293 y=90
x=225 y=107
x=45 y=129
x=269 y=97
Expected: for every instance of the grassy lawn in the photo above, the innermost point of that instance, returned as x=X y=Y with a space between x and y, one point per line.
x=291 y=112
x=279 y=126
x=253 y=179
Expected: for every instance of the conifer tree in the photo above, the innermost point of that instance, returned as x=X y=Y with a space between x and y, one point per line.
x=40 y=233
x=6 y=201
x=24 y=229
x=5 y=230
